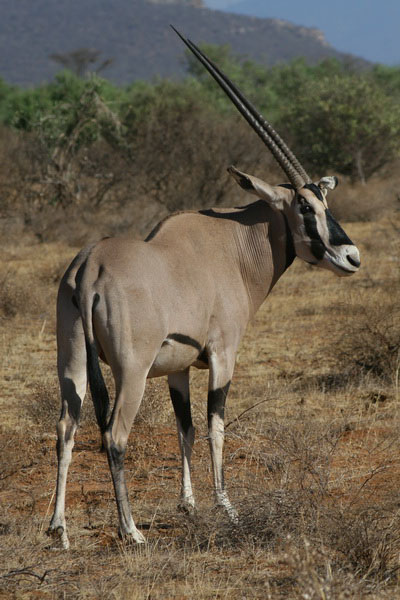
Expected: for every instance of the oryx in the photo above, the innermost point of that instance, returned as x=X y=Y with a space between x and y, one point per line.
x=182 y=298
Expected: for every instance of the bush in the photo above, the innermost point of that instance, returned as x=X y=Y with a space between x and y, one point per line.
x=81 y=146
x=345 y=123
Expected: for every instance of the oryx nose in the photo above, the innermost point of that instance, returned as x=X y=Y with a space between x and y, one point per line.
x=354 y=258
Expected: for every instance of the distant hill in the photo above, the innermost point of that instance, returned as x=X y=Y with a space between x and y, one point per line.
x=137 y=36
x=364 y=27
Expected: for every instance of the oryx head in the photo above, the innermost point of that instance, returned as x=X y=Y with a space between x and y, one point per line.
x=318 y=238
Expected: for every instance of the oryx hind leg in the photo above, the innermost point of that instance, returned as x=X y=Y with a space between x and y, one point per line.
x=71 y=359
x=130 y=386
x=221 y=370
x=179 y=392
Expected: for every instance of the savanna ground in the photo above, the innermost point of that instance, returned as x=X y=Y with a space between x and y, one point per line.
x=312 y=447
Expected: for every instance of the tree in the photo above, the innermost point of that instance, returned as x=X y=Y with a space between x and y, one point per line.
x=78 y=61
x=253 y=79
x=345 y=123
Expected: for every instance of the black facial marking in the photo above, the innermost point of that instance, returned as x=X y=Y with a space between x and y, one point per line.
x=318 y=249
x=337 y=236
x=315 y=190
x=317 y=245
x=306 y=208
x=182 y=409
x=290 y=251
x=185 y=339
x=216 y=402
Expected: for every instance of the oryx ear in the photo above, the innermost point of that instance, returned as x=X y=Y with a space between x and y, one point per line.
x=327 y=183
x=274 y=195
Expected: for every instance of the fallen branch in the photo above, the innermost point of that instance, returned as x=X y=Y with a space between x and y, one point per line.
x=246 y=411
x=25 y=571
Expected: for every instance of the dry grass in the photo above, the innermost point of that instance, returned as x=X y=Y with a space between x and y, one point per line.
x=311 y=454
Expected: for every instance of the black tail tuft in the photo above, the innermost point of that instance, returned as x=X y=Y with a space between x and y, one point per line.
x=98 y=389
x=101 y=401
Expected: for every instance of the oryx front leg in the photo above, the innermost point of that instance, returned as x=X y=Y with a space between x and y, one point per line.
x=115 y=441
x=220 y=379
x=179 y=392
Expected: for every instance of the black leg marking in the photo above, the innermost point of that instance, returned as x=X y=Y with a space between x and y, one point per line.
x=74 y=402
x=182 y=409
x=216 y=402
x=116 y=458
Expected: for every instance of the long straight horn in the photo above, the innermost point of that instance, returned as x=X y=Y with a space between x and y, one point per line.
x=283 y=155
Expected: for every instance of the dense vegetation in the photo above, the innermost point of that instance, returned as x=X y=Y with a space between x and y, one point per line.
x=86 y=141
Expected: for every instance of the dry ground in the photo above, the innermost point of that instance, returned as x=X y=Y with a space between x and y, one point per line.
x=314 y=468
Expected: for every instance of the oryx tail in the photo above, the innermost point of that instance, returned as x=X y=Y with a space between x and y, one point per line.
x=98 y=389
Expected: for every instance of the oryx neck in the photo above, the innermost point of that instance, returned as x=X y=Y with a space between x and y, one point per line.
x=265 y=250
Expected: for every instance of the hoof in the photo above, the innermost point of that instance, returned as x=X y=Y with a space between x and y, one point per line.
x=60 y=534
x=187 y=508
x=132 y=538
x=230 y=512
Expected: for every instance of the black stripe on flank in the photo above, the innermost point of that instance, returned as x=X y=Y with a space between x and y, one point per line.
x=182 y=409
x=203 y=356
x=216 y=402
x=337 y=236
x=185 y=339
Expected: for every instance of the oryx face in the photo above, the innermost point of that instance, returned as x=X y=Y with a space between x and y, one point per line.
x=318 y=238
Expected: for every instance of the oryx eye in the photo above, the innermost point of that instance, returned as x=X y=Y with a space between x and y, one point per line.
x=306 y=208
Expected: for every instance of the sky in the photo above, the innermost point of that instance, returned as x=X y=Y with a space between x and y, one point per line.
x=366 y=28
